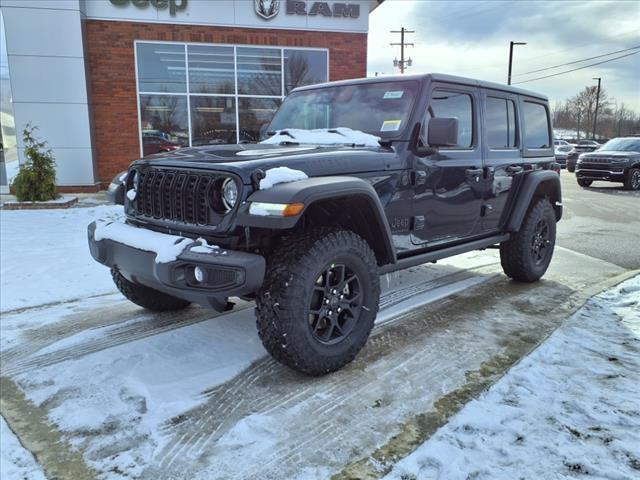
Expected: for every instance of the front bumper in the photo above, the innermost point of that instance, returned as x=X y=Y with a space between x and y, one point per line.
x=226 y=273
x=610 y=174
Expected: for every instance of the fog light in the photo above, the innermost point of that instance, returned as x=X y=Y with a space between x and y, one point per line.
x=198 y=273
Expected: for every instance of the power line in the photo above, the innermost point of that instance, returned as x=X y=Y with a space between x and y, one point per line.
x=579 y=68
x=576 y=61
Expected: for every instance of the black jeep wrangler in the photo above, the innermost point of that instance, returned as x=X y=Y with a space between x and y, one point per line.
x=354 y=179
x=618 y=160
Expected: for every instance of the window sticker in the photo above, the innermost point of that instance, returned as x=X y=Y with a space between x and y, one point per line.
x=394 y=94
x=390 y=125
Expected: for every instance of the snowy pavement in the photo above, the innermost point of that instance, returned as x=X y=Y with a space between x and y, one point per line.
x=569 y=409
x=93 y=384
x=37 y=269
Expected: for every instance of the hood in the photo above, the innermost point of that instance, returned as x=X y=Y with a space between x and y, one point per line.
x=613 y=154
x=244 y=159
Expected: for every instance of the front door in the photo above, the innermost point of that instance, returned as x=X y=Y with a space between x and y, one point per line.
x=449 y=184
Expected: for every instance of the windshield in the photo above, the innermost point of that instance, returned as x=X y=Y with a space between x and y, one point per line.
x=622 y=145
x=380 y=109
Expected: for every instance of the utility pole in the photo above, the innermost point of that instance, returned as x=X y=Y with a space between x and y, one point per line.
x=511 y=44
x=595 y=115
x=403 y=64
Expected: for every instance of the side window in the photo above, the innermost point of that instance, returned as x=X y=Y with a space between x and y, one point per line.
x=500 y=123
x=454 y=105
x=536 y=126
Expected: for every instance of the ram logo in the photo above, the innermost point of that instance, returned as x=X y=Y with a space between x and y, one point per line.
x=267 y=9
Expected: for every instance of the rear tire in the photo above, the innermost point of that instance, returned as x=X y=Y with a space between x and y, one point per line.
x=147 y=297
x=571 y=169
x=319 y=300
x=584 y=183
x=526 y=257
x=632 y=179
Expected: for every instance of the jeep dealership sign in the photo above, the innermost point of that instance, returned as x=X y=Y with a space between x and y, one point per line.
x=174 y=6
x=339 y=16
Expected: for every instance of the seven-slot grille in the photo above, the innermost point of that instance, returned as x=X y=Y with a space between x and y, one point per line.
x=181 y=196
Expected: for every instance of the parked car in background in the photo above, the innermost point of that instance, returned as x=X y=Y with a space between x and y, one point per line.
x=583 y=146
x=152 y=144
x=561 y=149
x=562 y=144
x=618 y=160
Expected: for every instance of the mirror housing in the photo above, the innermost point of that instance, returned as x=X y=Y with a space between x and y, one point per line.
x=443 y=132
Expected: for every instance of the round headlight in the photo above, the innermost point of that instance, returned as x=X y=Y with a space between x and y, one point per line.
x=229 y=193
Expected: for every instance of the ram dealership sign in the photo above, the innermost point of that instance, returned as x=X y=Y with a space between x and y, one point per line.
x=268 y=9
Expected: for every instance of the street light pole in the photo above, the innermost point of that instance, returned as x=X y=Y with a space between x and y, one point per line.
x=511 y=44
x=595 y=115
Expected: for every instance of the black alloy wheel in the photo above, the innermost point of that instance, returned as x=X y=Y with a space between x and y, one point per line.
x=336 y=303
x=540 y=242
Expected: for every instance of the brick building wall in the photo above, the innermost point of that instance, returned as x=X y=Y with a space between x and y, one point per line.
x=112 y=79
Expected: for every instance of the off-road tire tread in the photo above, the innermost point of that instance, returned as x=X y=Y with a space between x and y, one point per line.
x=147 y=297
x=281 y=290
x=514 y=253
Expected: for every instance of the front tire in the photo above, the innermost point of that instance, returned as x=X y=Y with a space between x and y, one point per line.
x=319 y=301
x=147 y=297
x=584 y=183
x=571 y=169
x=632 y=179
x=526 y=257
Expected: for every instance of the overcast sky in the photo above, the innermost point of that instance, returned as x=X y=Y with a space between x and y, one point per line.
x=471 y=38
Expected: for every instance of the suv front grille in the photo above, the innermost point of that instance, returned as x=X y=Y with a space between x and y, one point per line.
x=179 y=196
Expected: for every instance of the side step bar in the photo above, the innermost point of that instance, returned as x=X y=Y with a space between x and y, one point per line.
x=435 y=255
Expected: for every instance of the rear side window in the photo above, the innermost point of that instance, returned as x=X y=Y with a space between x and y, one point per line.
x=500 y=123
x=536 y=126
x=458 y=105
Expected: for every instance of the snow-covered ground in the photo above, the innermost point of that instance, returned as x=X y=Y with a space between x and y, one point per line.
x=45 y=256
x=16 y=463
x=571 y=408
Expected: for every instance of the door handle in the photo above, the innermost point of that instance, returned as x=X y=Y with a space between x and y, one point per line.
x=472 y=172
x=514 y=169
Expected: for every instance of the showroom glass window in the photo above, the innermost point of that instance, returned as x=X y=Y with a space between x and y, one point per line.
x=199 y=94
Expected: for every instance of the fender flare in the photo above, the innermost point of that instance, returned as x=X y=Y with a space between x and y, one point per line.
x=543 y=181
x=313 y=190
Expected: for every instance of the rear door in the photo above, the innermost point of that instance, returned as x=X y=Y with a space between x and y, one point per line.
x=449 y=184
x=503 y=163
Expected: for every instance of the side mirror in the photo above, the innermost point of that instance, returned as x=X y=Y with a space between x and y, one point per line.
x=443 y=132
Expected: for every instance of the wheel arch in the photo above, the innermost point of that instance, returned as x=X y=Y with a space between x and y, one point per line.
x=540 y=184
x=348 y=202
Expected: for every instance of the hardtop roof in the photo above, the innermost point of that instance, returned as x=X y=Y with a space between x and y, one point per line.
x=434 y=77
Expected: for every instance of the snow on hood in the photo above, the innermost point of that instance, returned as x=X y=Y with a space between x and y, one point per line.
x=324 y=136
x=277 y=175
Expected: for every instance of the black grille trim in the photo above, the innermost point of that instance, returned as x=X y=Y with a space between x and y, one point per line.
x=176 y=196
